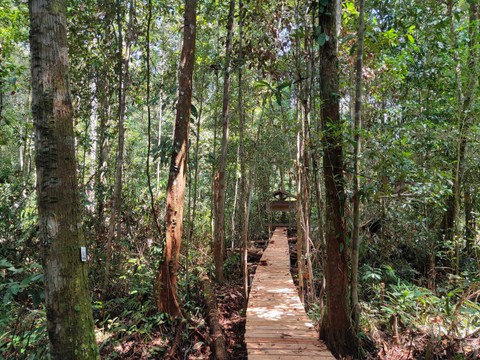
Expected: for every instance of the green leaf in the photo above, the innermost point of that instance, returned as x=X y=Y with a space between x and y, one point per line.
x=194 y=111
x=31 y=279
x=278 y=96
x=15 y=289
x=7 y=297
x=352 y=49
x=351 y=8
x=322 y=39
x=5 y=263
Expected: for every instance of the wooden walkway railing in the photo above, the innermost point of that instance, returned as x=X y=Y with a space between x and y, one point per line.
x=277 y=324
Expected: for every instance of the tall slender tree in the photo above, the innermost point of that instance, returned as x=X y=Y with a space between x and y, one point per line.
x=104 y=91
x=244 y=182
x=67 y=300
x=357 y=152
x=336 y=327
x=166 y=282
x=220 y=181
x=123 y=79
x=465 y=99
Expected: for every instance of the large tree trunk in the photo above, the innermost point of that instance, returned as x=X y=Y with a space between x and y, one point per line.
x=67 y=299
x=356 y=183
x=220 y=183
x=336 y=327
x=166 y=282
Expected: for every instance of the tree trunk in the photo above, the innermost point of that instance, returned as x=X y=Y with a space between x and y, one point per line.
x=149 y=121
x=214 y=155
x=197 y=151
x=304 y=73
x=320 y=246
x=123 y=74
x=357 y=152
x=306 y=110
x=220 y=183
x=233 y=232
x=336 y=327
x=300 y=201
x=166 y=281
x=67 y=300
x=244 y=187
x=300 y=208
x=470 y=199
x=451 y=224
x=159 y=139
x=1 y=84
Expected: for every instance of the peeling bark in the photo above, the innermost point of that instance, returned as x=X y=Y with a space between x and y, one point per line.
x=166 y=282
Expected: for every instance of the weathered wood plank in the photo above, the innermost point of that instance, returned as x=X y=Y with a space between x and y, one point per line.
x=285 y=340
x=285 y=325
x=288 y=352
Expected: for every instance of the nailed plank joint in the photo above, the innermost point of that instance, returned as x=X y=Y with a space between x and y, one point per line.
x=277 y=325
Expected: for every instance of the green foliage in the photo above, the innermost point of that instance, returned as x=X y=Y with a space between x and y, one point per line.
x=232 y=266
x=23 y=320
x=132 y=315
x=450 y=312
x=314 y=313
x=23 y=333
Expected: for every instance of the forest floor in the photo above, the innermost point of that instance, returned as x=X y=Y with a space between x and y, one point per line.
x=232 y=311
x=230 y=303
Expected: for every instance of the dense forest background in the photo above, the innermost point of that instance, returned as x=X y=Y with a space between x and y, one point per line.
x=408 y=134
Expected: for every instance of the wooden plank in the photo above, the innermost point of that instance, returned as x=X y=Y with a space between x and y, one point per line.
x=282 y=345
x=281 y=334
x=302 y=352
x=285 y=325
x=294 y=356
x=285 y=340
x=284 y=331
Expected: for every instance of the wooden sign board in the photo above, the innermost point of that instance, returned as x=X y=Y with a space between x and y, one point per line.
x=282 y=205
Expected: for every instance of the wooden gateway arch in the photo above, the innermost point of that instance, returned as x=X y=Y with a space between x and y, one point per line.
x=282 y=202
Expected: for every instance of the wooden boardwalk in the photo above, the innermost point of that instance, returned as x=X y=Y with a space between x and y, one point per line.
x=277 y=324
